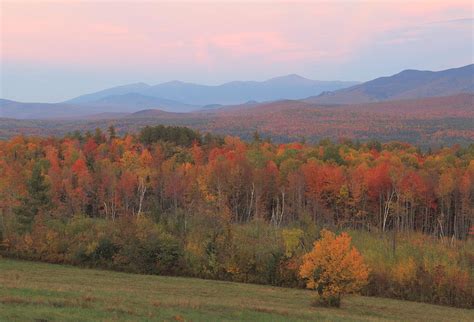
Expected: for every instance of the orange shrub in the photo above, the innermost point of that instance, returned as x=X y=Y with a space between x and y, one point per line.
x=333 y=268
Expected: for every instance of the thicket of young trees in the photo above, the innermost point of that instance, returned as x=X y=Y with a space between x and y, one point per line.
x=172 y=201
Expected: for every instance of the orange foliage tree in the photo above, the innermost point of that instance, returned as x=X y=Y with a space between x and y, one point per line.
x=333 y=268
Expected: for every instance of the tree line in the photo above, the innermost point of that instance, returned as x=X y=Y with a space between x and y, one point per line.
x=386 y=187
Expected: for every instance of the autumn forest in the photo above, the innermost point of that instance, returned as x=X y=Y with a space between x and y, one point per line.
x=170 y=200
x=237 y=160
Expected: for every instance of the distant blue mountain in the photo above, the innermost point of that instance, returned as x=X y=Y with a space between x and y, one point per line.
x=178 y=96
x=132 y=102
x=237 y=92
x=408 y=84
x=119 y=90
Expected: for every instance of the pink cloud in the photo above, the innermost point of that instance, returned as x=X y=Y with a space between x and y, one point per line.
x=249 y=43
x=114 y=34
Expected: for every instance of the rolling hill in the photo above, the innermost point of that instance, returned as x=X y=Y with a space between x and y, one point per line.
x=425 y=122
x=108 y=106
x=62 y=111
x=20 y=110
x=408 y=84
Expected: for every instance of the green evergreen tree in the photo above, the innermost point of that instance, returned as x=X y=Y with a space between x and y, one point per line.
x=112 y=132
x=37 y=199
x=99 y=137
x=256 y=137
x=331 y=153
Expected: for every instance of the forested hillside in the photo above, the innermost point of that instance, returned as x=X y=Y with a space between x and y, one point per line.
x=174 y=201
x=428 y=122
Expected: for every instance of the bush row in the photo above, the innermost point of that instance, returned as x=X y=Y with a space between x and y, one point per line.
x=212 y=248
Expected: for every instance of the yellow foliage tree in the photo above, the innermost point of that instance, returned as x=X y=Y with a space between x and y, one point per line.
x=333 y=268
x=291 y=239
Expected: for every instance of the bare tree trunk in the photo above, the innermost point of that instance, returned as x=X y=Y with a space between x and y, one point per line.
x=249 y=208
x=141 y=195
x=386 y=211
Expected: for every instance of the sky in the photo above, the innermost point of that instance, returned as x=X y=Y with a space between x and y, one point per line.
x=56 y=50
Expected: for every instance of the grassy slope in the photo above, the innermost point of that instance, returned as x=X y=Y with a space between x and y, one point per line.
x=31 y=291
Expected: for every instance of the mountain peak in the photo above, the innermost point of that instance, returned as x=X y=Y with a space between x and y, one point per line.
x=172 y=83
x=140 y=84
x=289 y=77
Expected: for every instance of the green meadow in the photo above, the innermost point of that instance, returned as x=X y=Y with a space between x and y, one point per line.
x=31 y=291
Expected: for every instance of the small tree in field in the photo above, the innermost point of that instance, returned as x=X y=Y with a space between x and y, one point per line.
x=333 y=268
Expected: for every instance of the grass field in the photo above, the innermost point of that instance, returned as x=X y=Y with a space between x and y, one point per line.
x=31 y=291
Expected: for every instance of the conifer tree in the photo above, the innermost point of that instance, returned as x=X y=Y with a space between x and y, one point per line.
x=36 y=199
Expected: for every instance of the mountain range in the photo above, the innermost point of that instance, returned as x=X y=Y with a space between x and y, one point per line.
x=236 y=92
x=184 y=97
x=408 y=84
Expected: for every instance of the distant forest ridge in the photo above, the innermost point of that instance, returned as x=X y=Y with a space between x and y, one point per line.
x=427 y=122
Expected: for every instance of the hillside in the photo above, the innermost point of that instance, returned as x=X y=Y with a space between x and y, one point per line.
x=425 y=122
x=117 y=105
x=408 y=84
x=38 y=291
x=20 y=110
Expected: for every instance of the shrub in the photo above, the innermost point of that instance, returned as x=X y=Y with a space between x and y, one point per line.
x=333 y=268
x=145 y=247
x=105 y=250
x=153 y=256
x=422 y=269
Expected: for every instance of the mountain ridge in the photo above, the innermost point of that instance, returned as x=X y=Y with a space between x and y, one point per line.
x=130 y=98
x=290 y=86
x=407 y=84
